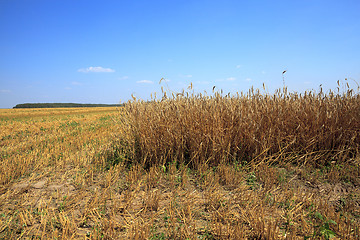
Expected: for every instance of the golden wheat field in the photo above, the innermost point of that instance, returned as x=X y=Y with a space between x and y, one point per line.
x=185 y=166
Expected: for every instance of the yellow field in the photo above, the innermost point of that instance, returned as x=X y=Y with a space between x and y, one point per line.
x=44 y=151
x=33 y=140
x=183 y=168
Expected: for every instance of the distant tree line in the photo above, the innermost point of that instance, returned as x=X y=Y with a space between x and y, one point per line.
x=63 y=105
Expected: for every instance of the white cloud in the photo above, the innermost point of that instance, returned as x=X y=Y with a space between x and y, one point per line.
x=68 y=88
x=238 y=66
x=248 y=79
x=229 y=79
x=95 y=69
x=186 y=75
x=5 y=91
x=307 y=82
x=76 y=83
x=145 y=81
x=202 y=82
x=123 y=78
x=263 y=72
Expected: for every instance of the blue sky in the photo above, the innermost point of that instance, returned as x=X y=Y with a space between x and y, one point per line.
x=103 y=51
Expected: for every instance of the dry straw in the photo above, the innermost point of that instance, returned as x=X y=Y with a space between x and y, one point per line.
x=194 y=129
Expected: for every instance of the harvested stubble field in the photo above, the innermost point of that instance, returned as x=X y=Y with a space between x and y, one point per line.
x=186 y=166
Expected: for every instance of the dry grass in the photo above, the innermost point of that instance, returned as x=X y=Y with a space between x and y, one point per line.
x=250 y=166
x=195 y=129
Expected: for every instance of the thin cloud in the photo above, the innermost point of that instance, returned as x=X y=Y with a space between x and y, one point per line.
x=164 y=80
x=76 y=83
x=238 y=66
x=5 y=91
x=123 y=78
x=248 y=79
x=231 y=79
x=186 y=75
x=202 y=82
x=145 y=81
x=96 y=69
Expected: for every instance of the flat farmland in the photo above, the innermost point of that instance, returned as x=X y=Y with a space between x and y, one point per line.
x=46 y=152
x=184 y=167
x=33 y=140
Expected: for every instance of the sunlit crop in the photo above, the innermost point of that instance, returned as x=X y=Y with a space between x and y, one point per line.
x=195 y=128
x=185 y=166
